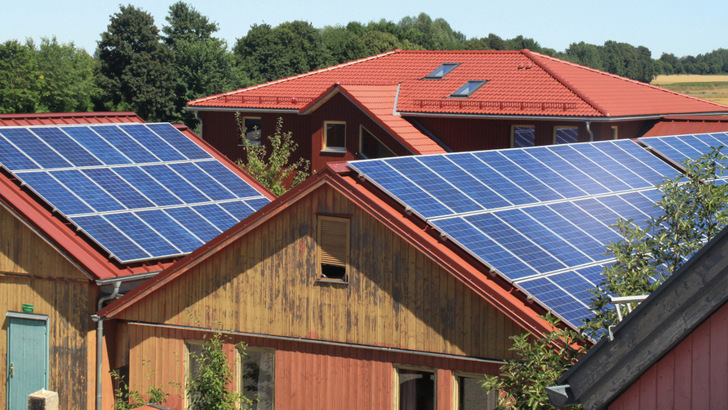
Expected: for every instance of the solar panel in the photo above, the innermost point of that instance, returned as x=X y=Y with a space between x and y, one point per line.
x=139 y=191
x=540 y=216
x=680 y=148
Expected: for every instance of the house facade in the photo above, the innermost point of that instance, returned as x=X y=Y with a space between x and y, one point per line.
x=428 y=102
x=342 y=300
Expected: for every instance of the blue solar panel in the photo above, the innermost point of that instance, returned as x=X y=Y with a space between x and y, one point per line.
x=88 y=191
x=173 y=231
x=547 y=212
x=134 y=187
x=194 y=223
x=216 y=216
x=118 y=188
x=125 y=144
x=680 y=148
x=68 y=148
x=142 y=234
x=175 y=184
x=179 y=141
x=144 y=136
x=434 y=185
x=110 y=238
x=202 y=181
x=97 y=145
x=34 y=148
x=54 y=193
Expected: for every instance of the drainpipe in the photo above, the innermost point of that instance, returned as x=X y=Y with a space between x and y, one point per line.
x=100 y=341
x=588 y=130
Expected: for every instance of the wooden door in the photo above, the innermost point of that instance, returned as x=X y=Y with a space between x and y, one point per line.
x=27 y=370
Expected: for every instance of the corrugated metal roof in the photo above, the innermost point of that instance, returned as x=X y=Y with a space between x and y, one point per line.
x=7 y=120
x=693 y=124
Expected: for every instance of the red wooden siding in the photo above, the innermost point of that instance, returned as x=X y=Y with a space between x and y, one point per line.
x=307 y=375
x=693 y=375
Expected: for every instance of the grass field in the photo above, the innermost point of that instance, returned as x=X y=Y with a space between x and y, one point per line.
x=709 y=87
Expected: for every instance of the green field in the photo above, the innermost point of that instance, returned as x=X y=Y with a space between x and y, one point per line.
x=709 y=87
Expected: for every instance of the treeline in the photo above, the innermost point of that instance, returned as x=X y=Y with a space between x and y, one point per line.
x=138 y=67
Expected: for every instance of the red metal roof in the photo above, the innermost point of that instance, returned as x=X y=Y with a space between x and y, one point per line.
x=7 y=120
x=60 y=233
x=518 y=83
x=692 y=124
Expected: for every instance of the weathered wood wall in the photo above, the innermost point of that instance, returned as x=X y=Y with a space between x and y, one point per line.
x=32 y=272
x=265 y=282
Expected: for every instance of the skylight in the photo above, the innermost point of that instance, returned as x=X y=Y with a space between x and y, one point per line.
x=441 y=71
x=469 y=88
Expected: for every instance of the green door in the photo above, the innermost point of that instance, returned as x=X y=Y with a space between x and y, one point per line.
x=27 y=357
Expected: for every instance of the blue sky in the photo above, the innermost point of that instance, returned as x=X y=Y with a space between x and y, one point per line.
x=678 y=27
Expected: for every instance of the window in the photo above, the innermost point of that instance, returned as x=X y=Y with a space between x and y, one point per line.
x=416 y=389
x=335 y=136
x=615 y=132
x=470 y=396
x=252 y=130
x=256 y=377
x=371 y=147
x=441 y=71
x=468 y=89
x=333 y=248
x=523 y=136
x=194 y=351
x=566 y=135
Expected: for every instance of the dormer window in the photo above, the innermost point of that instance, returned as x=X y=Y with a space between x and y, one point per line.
x=469 y=88
x=441 y=71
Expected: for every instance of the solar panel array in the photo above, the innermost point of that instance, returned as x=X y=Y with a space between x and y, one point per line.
x=140 y=191
x=680 y=148
x=540 y=216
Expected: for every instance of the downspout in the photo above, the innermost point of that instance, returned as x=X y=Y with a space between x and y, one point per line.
x=588 y=130
x=100 y=341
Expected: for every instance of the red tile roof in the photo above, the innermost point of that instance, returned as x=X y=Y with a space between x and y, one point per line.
x=60 y=234
x=518 y=83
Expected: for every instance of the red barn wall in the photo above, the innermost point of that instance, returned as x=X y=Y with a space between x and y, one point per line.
x=693 y=375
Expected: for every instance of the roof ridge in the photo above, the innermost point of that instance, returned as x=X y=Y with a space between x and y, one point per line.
x=640 y=83
x=295 y=77
x=533 y=56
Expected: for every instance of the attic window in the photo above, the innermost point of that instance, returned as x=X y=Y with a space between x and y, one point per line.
x=469 y=88
x=441 y=71
x=333 y=248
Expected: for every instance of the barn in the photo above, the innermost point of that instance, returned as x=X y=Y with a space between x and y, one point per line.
x=81 y=222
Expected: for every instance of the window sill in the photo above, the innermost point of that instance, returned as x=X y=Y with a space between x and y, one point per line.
x=334 y=151
x=324 y=281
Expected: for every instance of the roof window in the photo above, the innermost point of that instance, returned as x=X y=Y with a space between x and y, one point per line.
x=469 y=88
x=441 y=71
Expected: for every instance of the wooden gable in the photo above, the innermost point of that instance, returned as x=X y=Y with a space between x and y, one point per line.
x=265 y=282
x=32 y=272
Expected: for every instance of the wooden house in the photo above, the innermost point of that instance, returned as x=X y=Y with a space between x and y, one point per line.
x=343 y=300
x=54 y=277
x=671 y=352
x=427 y=102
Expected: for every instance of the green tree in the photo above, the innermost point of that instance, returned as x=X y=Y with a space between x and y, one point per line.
x=695 y=210
x=274 y=170
x=68 y=83
x=202 y=63
x=136 y=70
x=539 y=363
x=20 y=78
